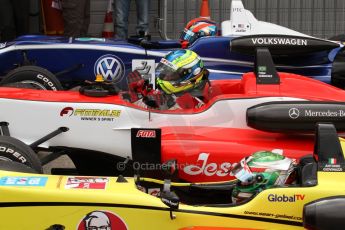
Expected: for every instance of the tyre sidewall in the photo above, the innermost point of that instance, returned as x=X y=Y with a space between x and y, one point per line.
x=15 y=167
x=14 y=150
x=35 y=74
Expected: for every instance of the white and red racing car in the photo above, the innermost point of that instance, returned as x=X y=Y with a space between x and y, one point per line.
x=262 y=111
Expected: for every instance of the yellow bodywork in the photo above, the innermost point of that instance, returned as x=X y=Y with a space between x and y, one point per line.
x=39 y=207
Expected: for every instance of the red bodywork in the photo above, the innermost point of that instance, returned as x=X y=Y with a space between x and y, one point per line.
x=291 y=85
x=207 y=153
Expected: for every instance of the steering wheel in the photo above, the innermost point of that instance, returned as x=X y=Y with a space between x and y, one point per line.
x=99 y=89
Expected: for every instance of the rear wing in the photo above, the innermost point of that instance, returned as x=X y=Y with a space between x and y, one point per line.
x=242 y=22
x=281 y=44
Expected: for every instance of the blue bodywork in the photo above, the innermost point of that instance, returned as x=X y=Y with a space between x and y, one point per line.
x=74 y=59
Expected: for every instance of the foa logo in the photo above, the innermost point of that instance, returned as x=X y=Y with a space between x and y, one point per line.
x=146 y=133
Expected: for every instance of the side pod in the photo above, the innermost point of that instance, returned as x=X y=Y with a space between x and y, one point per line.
x=327 y=213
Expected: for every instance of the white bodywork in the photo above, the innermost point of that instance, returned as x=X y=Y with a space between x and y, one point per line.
x=242 y=22
x=31 y=120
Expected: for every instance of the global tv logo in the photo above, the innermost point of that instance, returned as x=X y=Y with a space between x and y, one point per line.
x=110 y=67
x=285 y=198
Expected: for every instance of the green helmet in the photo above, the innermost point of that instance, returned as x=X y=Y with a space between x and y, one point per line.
x=262 y=170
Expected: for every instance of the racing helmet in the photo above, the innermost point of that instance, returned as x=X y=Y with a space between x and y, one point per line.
x=181 y=71
x=262 y=170
x=197 y=28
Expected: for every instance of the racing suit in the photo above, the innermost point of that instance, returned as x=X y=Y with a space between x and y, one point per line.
x=141 y=93
x=170 y=102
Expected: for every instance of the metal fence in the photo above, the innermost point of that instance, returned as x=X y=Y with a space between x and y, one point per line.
x=320 y=18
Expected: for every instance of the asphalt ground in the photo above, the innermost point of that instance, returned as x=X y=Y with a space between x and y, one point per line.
x=61 y=162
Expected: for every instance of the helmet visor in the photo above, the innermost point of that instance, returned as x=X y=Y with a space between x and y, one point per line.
x=242 y=171
x=188 y=35
x=167 y=71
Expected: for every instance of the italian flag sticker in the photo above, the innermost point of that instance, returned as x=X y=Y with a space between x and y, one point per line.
x=332 y=161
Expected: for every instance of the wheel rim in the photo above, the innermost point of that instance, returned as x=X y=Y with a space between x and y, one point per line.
x=2 y=158
x=34 y=84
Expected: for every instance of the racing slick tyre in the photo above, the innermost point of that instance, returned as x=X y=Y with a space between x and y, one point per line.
x=15 y=167
x=33 y=77
x=15 y=150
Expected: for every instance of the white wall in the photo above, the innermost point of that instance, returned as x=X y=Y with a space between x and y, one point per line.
x=320 y=18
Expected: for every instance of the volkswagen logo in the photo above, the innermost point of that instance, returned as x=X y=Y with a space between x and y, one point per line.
x=294 y=113
x=110 y=67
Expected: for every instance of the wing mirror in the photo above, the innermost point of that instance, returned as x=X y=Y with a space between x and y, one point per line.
x=169 y=198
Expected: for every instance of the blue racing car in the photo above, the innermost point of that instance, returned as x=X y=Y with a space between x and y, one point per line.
x=58 y=63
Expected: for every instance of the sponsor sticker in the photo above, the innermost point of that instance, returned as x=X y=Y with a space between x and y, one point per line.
x=332 y=166
x=203 y=167
x=80 y=182
x=285 y=198
x=280 y=41
x=90 y=39
x=168 y=63
x=23 y=181
x=146 y=68
x=154 y=191
x=262 y=69
x=85 y=114
x=101 y=219
x=146 y=133
x=110 y=67
x=273 y=215
x=237 y=9
x=332 y=161
x=242 y=28
x=294 y=113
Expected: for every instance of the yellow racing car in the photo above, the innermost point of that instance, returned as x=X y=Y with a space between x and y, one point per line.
x=315 y=200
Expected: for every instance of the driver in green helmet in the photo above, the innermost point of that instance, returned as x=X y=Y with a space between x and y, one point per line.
x=261 y=170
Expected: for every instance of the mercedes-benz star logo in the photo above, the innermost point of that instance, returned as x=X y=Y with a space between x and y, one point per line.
x=294 y=113
x=110 y=67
